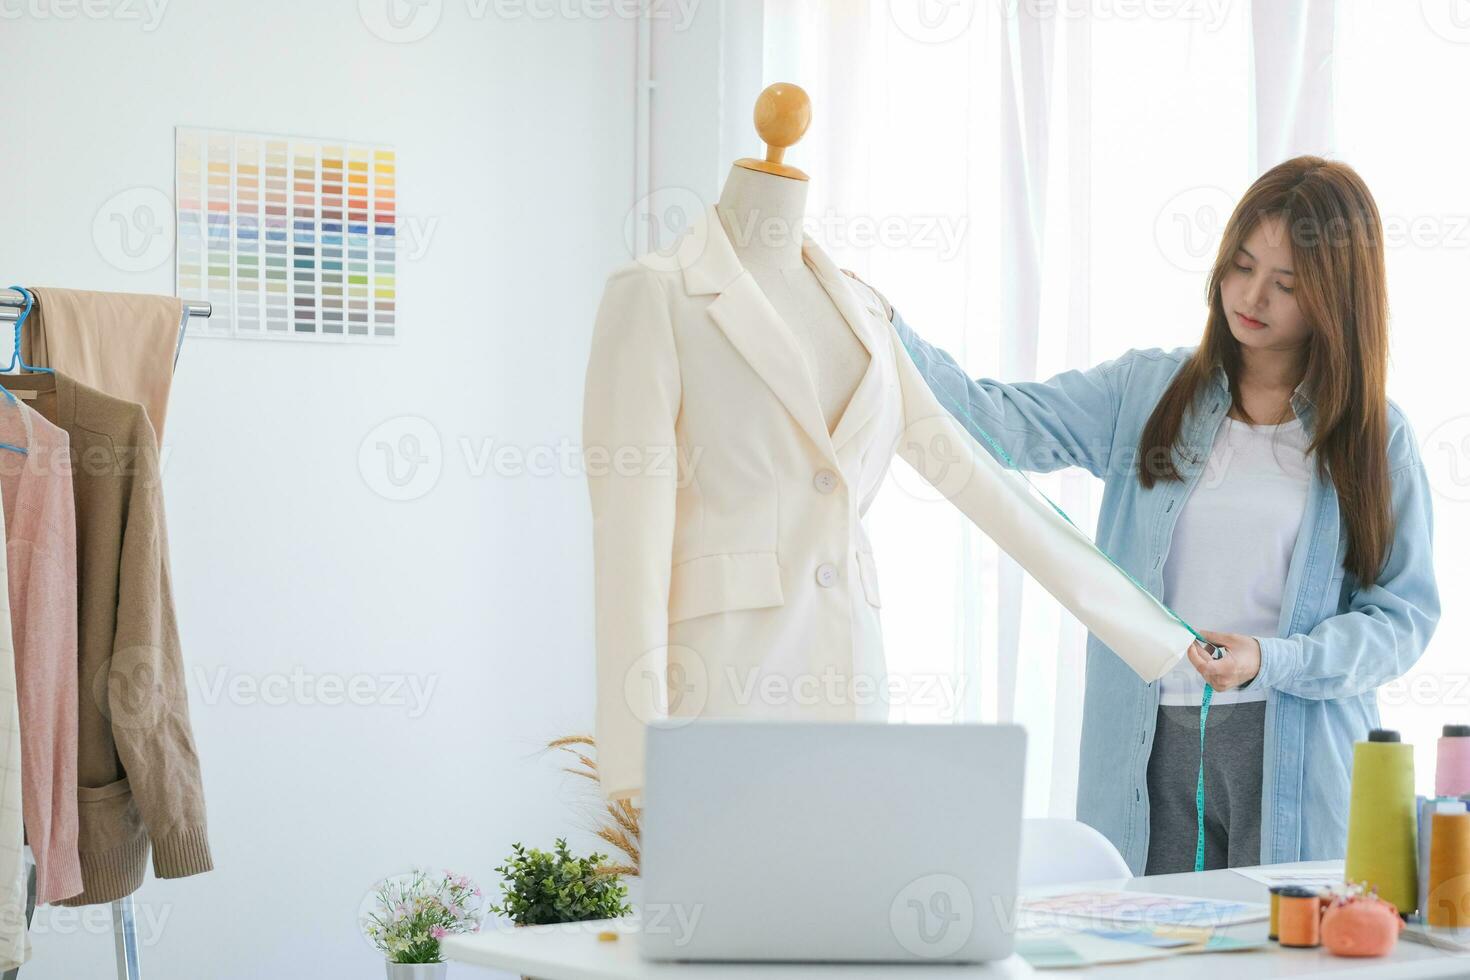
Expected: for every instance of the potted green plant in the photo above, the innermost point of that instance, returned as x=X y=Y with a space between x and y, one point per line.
x=412 y=913
x=541 y=887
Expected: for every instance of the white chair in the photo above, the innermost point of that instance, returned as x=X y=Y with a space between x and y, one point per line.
x=1055 y=851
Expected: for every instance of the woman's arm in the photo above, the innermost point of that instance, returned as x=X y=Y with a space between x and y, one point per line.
x=1387 y=625
x=1133 y=624
x=1042 y=425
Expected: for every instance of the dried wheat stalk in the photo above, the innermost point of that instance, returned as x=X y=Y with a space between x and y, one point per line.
x=622 y=831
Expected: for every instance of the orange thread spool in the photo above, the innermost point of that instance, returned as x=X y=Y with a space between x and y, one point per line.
x=1449 y=871
x=1300 y=922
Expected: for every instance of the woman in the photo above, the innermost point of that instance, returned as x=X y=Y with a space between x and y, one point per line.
x=1263 y=485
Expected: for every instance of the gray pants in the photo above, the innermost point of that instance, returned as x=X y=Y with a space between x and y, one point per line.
x=1235 y=738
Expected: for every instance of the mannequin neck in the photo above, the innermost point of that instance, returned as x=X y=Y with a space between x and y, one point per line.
x=763 y=214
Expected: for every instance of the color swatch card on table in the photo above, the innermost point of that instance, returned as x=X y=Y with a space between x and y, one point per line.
x=288 y=237
x=1098 y=909
x=1046 y=949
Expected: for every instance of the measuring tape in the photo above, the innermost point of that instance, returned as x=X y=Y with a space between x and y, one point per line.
x=1215 y=651
x=1199 y=786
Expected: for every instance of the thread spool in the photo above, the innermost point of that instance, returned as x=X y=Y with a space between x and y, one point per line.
x=1428 y=807
x=1382 y=820
x=1448 y=904
x=1300 y=917
x=1274 y=932
x=1452 y=762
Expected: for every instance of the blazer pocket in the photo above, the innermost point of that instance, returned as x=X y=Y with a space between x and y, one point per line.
x=724 y=583
x=868 y=570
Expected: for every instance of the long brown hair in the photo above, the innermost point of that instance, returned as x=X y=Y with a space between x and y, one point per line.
x=1337 y=252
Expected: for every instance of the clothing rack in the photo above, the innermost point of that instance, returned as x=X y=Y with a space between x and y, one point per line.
x=124 y=930
x=12 y=302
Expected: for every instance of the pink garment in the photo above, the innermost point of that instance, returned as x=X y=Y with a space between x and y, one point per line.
x=41 y=549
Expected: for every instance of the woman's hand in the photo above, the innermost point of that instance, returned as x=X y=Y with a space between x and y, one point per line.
x=1240 y=664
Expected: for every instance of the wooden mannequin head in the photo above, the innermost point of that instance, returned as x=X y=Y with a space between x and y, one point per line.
x=782 y=114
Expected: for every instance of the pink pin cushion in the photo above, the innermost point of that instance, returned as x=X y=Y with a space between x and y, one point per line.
x=1360 y=925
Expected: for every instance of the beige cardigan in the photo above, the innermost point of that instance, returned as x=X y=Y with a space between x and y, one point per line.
x=137 y=769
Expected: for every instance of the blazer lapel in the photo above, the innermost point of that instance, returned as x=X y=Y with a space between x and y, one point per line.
x=758 y=333
x=868 y=397
x=754 y=328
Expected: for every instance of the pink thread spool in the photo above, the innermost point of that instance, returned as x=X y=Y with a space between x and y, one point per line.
x=1452 y=767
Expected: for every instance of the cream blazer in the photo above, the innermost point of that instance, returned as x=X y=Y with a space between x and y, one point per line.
x=732 y=573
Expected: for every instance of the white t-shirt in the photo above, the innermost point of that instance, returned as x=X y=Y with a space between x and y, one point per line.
x=1232 y=545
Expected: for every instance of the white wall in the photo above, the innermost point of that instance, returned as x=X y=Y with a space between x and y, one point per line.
x=707 y=74
x=515 y=148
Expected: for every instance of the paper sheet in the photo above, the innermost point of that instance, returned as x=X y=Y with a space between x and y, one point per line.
x=1325 y=877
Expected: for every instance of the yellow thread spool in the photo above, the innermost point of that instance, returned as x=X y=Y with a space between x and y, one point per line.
x=1382 y=827
x=1448 y=903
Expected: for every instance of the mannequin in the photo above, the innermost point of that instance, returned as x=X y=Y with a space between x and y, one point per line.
x=762 y=213
x=744 y=585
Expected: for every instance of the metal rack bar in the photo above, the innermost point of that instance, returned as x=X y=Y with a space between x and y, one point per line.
x=12 y=302
x=124 y=930
x=125 y=937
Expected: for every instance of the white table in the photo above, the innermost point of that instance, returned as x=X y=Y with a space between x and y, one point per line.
x=573 y=951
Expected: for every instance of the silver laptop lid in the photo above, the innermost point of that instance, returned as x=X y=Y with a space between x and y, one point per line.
x=830 y=840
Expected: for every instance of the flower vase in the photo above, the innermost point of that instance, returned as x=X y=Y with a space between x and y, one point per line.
x=519 y=925
x=418 y=971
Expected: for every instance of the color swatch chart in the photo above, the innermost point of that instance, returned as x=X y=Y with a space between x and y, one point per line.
x=288 y=238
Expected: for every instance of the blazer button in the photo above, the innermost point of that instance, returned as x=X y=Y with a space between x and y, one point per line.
x=826 y=575
x=825 y=481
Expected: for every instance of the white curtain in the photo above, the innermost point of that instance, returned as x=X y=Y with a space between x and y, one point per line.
x=1045 y=184
x=1292 y=47
x=1400 y=75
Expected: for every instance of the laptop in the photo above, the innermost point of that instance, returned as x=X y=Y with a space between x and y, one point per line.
x=830 y=841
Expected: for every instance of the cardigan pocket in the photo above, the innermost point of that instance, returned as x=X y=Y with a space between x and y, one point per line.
x=108 y=817
x=97 y=794
x=112 y=843
x=724 y=583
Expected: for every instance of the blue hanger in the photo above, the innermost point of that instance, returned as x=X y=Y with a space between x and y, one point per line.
x=15 y=358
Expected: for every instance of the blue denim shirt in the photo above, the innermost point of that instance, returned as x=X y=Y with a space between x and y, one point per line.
x=1336 y=643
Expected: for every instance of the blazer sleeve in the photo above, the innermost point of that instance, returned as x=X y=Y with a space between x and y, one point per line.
x=630 y=406
x=1386 y=626
x=1069 y=420
x=1119 y=611
x=146 y=691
